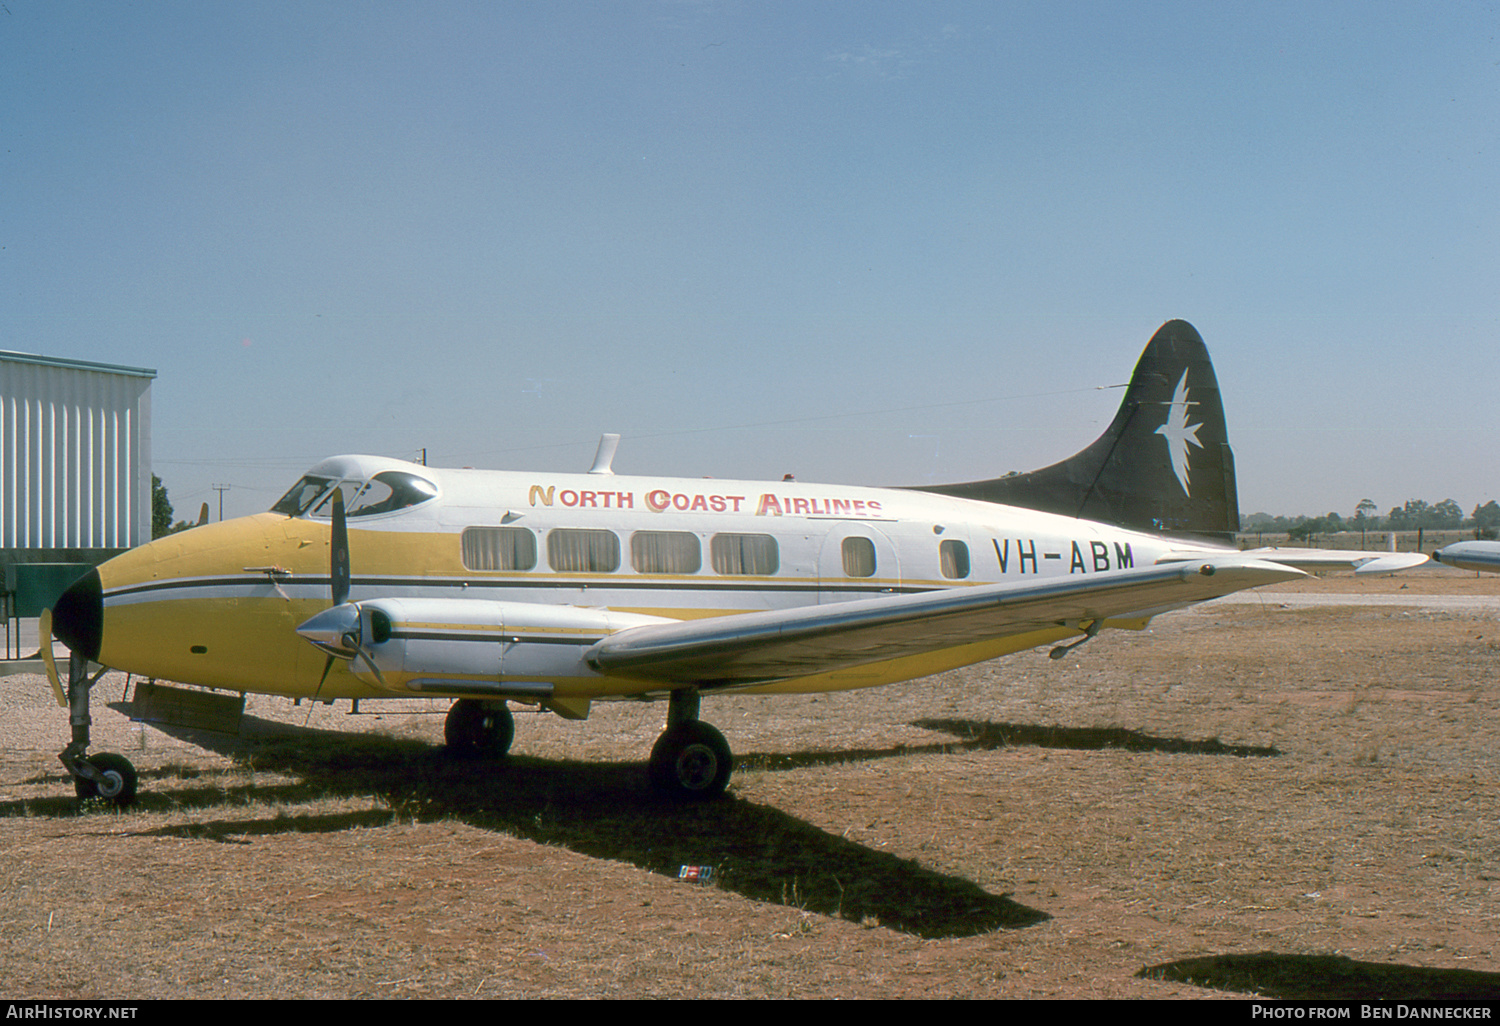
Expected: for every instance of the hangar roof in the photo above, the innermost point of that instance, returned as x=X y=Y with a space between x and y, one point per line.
x=56 y=361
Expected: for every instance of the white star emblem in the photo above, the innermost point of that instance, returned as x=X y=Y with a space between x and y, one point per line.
x=1179 y=433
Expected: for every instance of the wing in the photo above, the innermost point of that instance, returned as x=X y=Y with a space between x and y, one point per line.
x=765 y=646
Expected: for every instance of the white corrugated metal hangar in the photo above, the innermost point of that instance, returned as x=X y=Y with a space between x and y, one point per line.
x=75 y=459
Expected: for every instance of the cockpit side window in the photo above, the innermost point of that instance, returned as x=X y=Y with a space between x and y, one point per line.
x=389 y=491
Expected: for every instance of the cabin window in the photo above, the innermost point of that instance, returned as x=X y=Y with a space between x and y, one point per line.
x=745 y=554
x=499 y=548
x=954 y=557
x=575 y=551
x=859 y=557
x=665 y=552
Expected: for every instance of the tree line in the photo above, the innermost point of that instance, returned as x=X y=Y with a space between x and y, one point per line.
x=1415 y=515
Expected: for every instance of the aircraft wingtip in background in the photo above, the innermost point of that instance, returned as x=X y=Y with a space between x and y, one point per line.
x=1362 y=563
x=373 y=577
x=1471 y=555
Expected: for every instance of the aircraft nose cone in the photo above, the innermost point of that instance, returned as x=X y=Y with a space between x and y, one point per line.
x=78 y=616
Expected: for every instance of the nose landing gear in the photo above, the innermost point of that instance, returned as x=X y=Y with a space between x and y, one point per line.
x=106 y=775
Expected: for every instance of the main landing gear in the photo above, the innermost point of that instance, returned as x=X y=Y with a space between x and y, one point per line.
x=106 y=775
x=691 y=760
x=477 y=727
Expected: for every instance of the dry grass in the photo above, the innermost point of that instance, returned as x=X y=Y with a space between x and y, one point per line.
x=1318 y=784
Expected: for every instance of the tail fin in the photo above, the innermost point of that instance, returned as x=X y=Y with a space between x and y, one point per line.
x=1163 y=465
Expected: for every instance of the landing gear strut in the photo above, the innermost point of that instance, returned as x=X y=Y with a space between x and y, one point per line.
x=105 y=775
x=477 y=727
x=691 y=760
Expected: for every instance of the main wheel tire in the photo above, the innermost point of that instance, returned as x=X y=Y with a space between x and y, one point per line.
x=691 y=762
x=479 y=728
x=118 y=785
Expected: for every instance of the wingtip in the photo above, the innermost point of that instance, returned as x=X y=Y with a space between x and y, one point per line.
x=1390 y=563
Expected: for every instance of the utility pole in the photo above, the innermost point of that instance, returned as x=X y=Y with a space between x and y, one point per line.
x=221 y=489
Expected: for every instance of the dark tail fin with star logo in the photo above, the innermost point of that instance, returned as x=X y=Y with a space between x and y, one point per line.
x=1164 y=464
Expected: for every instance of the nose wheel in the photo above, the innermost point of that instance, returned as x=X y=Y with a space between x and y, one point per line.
x=106 y=775
x=116 y=779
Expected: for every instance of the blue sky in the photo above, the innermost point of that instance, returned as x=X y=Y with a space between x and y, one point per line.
x=878 y=243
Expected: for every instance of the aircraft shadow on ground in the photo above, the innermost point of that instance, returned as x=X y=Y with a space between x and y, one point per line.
x=604 y=810
x=976 y=735
x=1327 y=978
x=985 y=735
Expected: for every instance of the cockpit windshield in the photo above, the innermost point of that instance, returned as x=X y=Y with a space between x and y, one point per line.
x=303 y=494
x=386 y=492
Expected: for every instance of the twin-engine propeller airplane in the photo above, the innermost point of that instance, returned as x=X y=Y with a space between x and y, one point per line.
x=375 y=578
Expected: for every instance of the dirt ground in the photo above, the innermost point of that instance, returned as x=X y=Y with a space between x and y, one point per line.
x=1254 y=797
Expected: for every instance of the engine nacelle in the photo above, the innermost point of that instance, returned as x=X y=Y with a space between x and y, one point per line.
x=515 y=649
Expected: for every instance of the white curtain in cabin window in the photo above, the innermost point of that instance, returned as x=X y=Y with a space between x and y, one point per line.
x=859 y=557
x=745 y=554
x=499 y=548
x=576 y=551
x=665 y=552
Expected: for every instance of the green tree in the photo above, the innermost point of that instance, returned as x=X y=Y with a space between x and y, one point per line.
x=1487 y=520
x=1307 y=528
x=161 y=509
x=1447 y=515
x=1415 y=514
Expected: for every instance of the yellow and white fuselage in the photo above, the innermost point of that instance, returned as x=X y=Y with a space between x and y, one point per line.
x=500 y=582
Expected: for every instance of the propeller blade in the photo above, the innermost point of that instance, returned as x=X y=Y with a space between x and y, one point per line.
x=45 y=629
x=360 y=653
x=340 y=570
x=327 y=665
x=336 y=630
